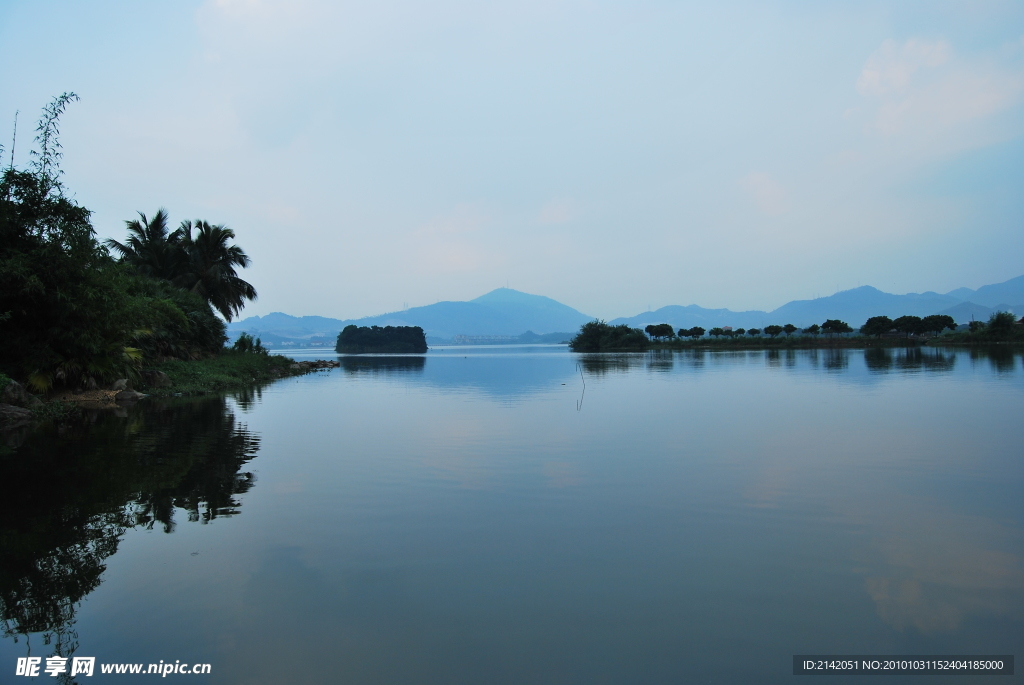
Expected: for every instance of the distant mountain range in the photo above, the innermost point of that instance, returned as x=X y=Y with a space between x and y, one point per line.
x=506 y=315
x=852 y=306
x=501 y=313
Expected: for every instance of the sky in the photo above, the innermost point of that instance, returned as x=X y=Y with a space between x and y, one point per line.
x=615 y=156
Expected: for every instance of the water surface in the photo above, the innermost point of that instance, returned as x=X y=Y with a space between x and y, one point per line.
x=514 y=515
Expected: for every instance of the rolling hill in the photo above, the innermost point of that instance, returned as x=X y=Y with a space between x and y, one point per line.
x=501 y=312
x=518 y=316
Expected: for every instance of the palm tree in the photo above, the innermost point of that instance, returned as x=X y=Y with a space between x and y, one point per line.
x=150 y=248
x=210 y=268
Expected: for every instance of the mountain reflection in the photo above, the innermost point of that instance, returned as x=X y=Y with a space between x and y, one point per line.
x=70 y=493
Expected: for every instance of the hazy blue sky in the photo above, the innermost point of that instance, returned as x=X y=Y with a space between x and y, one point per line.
x=612 y=155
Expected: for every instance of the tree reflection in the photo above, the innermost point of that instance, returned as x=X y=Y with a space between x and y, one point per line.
x=1002 y=359
x=660 y=360
x=359 y=364
x=878 y=359
x=602 y=363
x=883 y=360
x=692 y=358
x=836 y=359
x=70 y=493
x=914 y=358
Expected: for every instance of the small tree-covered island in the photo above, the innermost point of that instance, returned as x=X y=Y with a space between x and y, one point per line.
x=401 y=339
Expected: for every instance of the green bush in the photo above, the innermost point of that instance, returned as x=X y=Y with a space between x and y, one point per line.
x=246 y=345
x=598 y=336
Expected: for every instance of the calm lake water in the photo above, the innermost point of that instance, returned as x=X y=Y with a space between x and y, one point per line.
x=477 y=515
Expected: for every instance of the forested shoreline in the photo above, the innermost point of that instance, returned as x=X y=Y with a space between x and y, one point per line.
x=878 y=331
x=77 y=314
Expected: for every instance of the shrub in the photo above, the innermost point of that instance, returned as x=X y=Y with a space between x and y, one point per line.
x=598 y=336
x=246 y=345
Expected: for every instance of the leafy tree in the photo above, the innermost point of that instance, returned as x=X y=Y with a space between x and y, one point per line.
x=909 y=325
x=754 y=331
x=716 y=332
x=789 y=329
x=1001 y=322
x=739 y=331
x=773 y=330
x=661 y=330
x=150 y=248
x=975 y=326
x=171 y=322
x=204 y=263
x=210 y=270
x=695 y=332
x=247 y=345
x=813 y=329
x=877 y=326
x=936 y=323
x=597 y=336
x=68 y=312
x=836 y=327
x=64 y=311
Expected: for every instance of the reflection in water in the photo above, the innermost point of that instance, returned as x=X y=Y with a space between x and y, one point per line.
x=602 y=363
x=387 y=366
x=881 y=359
x=702 y=499
x=1002 y=359
x=508 y=375
x=693 y=359
x=931 y=567
x=68 y=494
x=583 y=392
x=660 y=361
x=247 y=398
x=836 y=359
x=878 y=359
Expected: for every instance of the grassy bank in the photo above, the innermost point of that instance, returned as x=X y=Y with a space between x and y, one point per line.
x=227 y=371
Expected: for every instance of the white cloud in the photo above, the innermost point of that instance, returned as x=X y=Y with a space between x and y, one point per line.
x=770 y=197
x=891 y=67
x=923 y=89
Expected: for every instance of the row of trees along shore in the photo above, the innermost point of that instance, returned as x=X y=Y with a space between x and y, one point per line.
x=599 y=335
x=75 y=312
